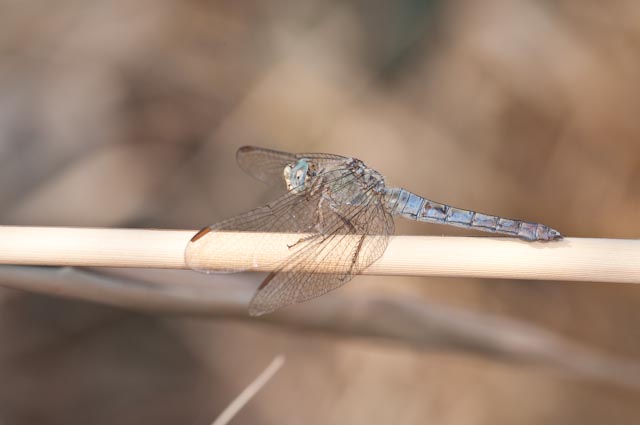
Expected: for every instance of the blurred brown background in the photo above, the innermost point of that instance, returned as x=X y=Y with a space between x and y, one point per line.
x=129 y=114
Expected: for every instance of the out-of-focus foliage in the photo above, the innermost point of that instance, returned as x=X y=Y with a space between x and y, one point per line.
x=129 y=113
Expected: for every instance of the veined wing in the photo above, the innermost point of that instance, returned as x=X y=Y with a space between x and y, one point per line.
x=353 y=238
x=287 y=214
x=267 y=165
x=290 y=213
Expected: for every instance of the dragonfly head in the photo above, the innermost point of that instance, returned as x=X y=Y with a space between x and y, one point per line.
x=297 y=175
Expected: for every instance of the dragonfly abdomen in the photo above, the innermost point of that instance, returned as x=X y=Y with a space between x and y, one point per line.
x=405 y=204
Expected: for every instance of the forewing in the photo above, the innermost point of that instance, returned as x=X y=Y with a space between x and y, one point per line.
x=328 y=260
x=267 y=165
x=290 y=213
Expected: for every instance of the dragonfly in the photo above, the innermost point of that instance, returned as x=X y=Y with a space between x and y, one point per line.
x=344 y=212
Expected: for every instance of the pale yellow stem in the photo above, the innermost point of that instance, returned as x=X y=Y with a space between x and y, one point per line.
x=578 y=259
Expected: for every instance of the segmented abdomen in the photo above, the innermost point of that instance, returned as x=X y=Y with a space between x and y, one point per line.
x=408 y=205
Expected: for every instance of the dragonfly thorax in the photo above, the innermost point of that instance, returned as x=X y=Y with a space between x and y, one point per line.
x=297 y=175
x=369 y=178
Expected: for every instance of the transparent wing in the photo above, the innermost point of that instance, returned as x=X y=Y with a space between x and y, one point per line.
x=341 y=239
x=267 y=165
x=354 y=238
x=290 y=213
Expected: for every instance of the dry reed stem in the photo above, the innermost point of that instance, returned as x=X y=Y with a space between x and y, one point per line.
x=249 y=392
x=577 y=259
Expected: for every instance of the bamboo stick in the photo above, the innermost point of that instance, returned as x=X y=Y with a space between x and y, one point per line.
x=577 y=259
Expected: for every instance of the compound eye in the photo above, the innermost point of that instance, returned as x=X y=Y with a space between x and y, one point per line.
x=299 y=175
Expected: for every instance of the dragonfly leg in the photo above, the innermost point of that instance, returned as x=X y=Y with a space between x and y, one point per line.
x=354 y=258
x=306 y=238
